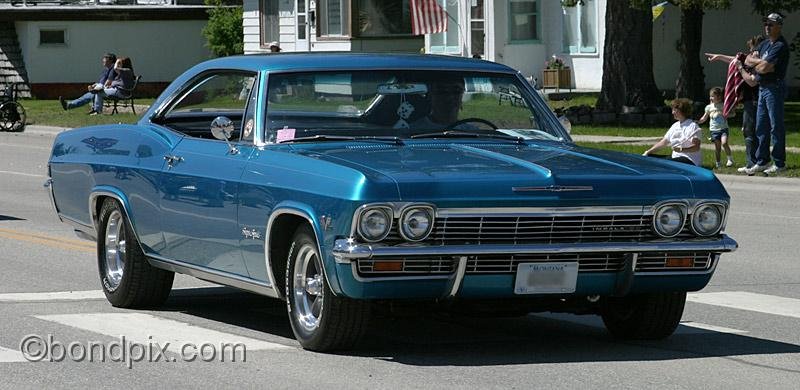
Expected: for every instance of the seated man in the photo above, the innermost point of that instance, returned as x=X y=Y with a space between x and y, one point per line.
x=106 y=76
x=119 y=85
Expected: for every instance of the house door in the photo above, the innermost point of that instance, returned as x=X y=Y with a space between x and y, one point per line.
x=302 y=25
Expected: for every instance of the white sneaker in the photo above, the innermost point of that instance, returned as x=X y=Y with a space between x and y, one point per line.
x=716 y=165
x=729 y=163
x=773 y=169
x=755 y=169
x=742 y=170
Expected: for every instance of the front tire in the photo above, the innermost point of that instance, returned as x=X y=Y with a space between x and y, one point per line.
x=320 y=320
x=644 y=317
x=128 y=280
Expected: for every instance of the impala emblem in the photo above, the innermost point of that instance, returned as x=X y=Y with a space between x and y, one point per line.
x=553 y=188
x=253 y=234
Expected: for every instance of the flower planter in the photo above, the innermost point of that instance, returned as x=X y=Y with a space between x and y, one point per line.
x=556 y=78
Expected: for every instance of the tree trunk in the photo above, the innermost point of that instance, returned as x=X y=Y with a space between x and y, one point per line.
x=628 y=59
x=691 y=80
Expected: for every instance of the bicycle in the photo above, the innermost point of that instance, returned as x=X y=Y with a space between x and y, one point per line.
x=12 y=113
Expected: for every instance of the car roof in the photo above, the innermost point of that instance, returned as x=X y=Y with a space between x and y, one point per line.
x=325 y=61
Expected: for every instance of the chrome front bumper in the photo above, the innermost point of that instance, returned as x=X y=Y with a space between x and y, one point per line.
x=346 y=250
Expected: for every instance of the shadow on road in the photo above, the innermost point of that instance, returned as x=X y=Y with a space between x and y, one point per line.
x=427 y=338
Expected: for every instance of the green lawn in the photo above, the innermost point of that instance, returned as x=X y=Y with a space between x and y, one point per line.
x=792 y=159
x=49 y=113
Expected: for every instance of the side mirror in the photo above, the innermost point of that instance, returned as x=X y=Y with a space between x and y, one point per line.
x=222 y=129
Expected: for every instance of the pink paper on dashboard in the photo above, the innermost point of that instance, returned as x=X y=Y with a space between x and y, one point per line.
x=285 y=134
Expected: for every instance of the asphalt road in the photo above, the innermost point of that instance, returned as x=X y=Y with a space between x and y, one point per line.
x=740 y=332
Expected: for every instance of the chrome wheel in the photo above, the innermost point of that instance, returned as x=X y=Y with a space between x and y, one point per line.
x=115 y=247
x=309 y=288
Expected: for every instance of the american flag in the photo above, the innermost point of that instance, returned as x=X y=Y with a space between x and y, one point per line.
x=427 y=17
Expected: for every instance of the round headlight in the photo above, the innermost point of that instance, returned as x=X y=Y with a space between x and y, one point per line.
x=374 y=224
x=707 y=220
x=668 y=220
x=416 y=223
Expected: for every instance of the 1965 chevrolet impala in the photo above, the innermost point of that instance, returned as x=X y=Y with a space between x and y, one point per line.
x=339 y=182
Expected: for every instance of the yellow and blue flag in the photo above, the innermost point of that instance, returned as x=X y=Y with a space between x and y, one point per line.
x=658 y=9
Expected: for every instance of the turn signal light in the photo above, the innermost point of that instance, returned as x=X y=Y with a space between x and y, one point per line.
x=387 y=266
x=680 y=262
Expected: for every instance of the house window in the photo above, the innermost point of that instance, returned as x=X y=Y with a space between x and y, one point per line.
x=523 y=21
x=54 y=37
x=270 y=25
x=580 y=28
x=332 y=17
x=382 y=18
x=448 y=42
x=477 y=28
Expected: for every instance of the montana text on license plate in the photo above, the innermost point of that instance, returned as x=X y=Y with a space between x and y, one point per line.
x=546 y=278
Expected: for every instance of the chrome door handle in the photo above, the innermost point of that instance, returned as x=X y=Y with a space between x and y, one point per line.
x=172 y=160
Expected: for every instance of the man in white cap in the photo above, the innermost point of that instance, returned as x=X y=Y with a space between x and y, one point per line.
x=274 y=47
x=770 y=60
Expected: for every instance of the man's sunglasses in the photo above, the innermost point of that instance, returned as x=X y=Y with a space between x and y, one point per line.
x=769 y=24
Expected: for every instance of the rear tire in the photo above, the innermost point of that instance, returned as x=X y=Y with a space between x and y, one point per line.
x=644 y=317
x=320 y=320
x=127 y=278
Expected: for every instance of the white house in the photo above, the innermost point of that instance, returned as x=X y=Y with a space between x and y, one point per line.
x=55 y=49
x=519 y=33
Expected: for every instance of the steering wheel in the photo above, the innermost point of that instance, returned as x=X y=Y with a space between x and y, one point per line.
x=468 y=120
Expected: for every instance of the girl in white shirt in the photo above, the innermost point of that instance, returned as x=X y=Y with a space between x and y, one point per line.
x=683 y=136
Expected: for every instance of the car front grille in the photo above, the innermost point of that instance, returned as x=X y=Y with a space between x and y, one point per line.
x=507 y=264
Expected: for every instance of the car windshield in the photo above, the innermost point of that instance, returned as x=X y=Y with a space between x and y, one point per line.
x=404 y=104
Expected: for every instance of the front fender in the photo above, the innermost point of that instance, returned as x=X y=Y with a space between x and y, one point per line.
x=313 y=218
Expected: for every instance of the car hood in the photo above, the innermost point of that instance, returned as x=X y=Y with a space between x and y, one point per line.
x=436 y=170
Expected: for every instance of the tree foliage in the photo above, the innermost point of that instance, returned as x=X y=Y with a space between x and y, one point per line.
x=765 y=6
x=224 y=33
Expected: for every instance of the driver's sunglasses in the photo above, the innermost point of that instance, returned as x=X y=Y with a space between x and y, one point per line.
x=769 y=24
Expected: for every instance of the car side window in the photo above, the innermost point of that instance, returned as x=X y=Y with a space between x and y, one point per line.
x=216 y=94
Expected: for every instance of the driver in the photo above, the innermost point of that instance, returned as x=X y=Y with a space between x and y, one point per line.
x=446 y=97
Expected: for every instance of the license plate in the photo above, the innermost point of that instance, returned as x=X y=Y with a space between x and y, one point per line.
x=546 y=278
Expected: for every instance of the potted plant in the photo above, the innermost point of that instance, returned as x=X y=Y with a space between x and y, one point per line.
x=556 y=74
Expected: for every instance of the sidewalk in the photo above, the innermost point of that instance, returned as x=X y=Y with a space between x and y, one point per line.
x=650 y=140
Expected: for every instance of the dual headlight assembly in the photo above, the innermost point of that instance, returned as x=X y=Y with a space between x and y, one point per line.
x=415 y=223
x=707 y=218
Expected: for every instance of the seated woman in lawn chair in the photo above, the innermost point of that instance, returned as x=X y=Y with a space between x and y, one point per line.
x=120 y=87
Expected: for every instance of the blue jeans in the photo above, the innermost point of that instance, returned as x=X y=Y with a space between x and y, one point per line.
x=769 y=124
x=96 y=98
x=749 y=131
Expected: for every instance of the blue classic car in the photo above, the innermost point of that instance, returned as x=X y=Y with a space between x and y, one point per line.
x=346 y=182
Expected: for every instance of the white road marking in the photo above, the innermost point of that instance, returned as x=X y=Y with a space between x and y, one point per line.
x=148 y=329
x=11 y=356
x=22 y=174
x=769 y=304
x=711 y=328
x=52 y=296
x=71 y=295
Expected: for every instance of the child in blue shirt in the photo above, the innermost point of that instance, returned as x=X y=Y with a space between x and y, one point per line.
x=718 y=125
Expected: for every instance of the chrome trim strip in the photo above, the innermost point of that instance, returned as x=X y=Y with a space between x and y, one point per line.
x=540 y=211
x=553 y=188
x=211 y=275
x=458 y=277
x=344 y=250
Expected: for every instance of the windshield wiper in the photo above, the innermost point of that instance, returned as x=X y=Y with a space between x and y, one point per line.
x=466 y=134
x=326 y=137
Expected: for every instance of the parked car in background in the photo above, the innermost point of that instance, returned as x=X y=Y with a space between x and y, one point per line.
x=342 y=182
